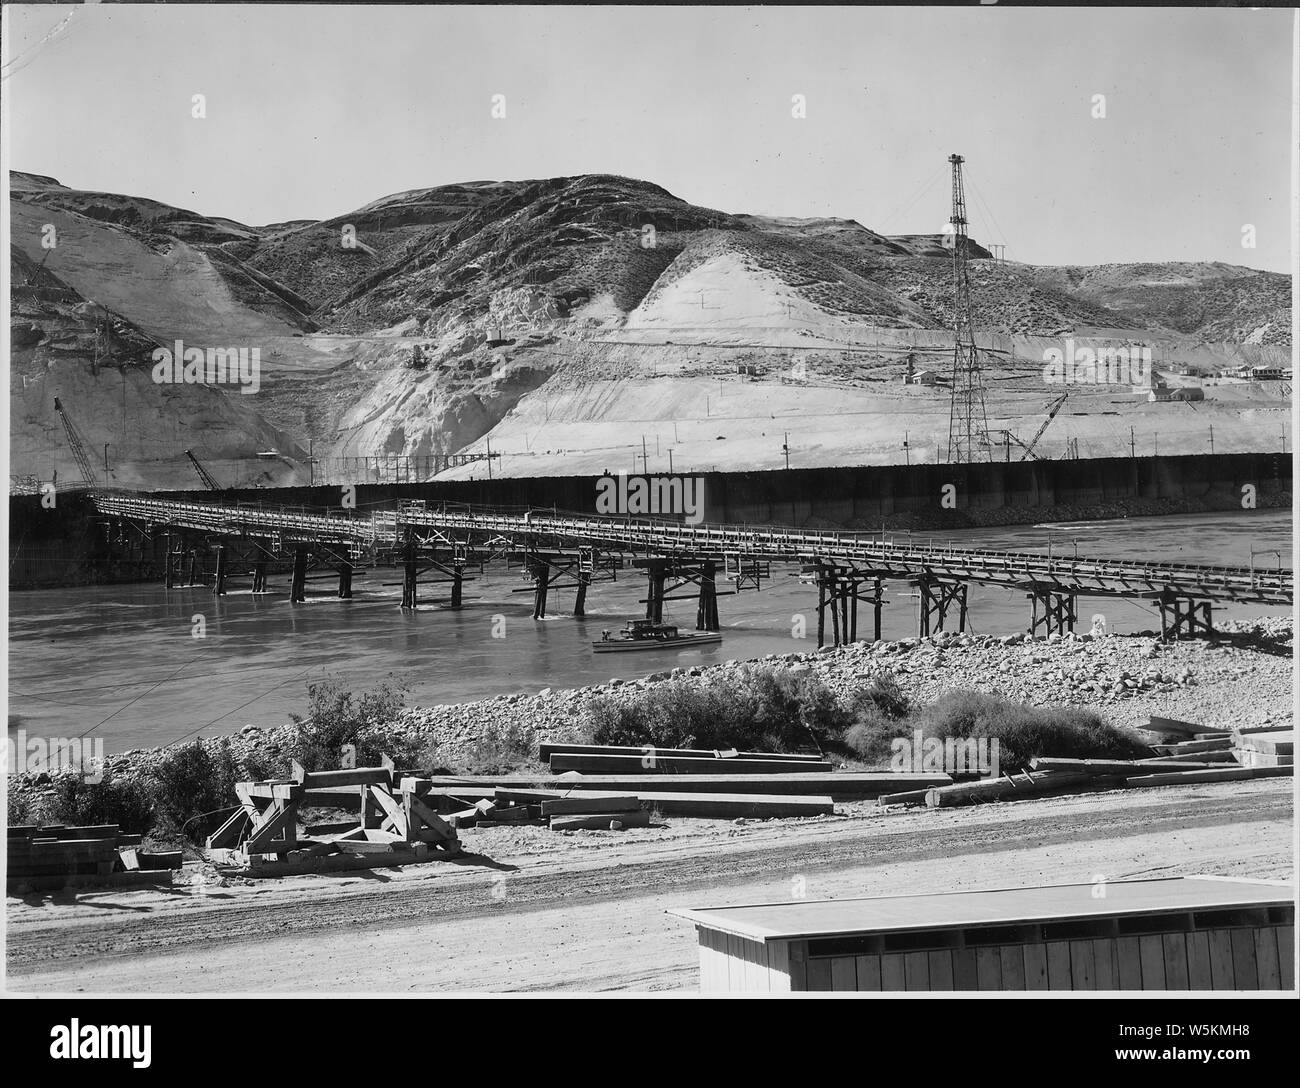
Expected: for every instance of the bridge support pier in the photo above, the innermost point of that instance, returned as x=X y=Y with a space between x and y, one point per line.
x=195 y=568
x=345 y=580
x=706 y=615
x=654 y=604
x=580 y=602
x=259 y=576
x=298 y=583
x=542 y=572
x=410 y=575
x=170 y=559
x=1185 y=616
x=457 y=584
x=839 y=592
x=219 y=586
x=1059 y=611
x=936 y=599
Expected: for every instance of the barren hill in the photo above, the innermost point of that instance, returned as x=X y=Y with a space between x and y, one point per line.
x=562 y=318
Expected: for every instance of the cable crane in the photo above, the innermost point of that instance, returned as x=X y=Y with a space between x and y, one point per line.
x=78 y=447
x=204 y=474
x=1052 y=409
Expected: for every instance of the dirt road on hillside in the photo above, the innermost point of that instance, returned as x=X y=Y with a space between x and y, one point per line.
x=593 y=919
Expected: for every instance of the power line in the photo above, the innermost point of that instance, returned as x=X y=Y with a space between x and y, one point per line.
x=929 y=184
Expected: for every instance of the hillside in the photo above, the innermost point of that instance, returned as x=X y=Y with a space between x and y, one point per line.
x=543 y=316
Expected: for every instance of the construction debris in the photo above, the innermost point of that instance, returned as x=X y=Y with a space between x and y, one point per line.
x=55 y=856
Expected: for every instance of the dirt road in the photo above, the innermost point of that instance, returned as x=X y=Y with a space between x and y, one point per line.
x=538 y=912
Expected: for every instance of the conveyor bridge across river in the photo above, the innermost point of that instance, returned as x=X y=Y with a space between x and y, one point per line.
x=442 y=544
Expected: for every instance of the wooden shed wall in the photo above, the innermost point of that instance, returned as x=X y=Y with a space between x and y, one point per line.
x=1257 y=955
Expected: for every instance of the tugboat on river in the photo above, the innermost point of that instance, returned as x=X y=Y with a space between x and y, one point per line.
x=648 y=635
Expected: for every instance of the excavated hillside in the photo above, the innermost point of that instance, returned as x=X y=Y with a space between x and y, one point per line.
x=558 y=317
x=100 y=365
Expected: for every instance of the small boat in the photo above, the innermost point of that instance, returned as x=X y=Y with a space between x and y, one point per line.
x=648 y=635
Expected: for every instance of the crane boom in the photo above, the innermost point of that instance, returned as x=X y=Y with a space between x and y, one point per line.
x=1051 y=415
x=78 y=447
x=204 y=474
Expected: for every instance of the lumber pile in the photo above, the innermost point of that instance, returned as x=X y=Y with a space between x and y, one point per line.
x=855 y=786
x=473 y=802
x=1264 y=747
x=658 y=761
x=1054 y=775
x=394 y=825
x=55 y=856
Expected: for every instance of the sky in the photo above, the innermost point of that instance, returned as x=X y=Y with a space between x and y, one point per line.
x=314 y=111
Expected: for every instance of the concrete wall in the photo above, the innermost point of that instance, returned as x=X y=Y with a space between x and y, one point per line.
x=64 y=547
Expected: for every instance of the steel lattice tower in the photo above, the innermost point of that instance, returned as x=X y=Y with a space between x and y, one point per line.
x=967 y=421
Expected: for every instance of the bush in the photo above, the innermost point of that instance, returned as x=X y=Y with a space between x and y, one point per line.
x=126 y=801
x=870 y=736
x=194 y=789
x=371 y=725
x=1023 y=731
x=882 y=697
x=754 y=707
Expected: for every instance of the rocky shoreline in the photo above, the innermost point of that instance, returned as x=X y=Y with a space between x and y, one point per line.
x=1243 y=677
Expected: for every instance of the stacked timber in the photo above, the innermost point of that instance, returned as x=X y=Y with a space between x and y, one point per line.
x=660 y=761
x=1264 y=747
x=55 y=856
x=1055 y=775
x=476 y=802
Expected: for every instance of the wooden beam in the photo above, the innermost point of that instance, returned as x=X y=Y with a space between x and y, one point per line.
x=600 y=821
x=838 y=786
x=655 y=763
x=573 y=806
x=356 y=776
x=1111 y=766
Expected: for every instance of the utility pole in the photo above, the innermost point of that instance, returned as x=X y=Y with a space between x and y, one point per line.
x=907 y=452
x=968 y=420
x=1211 y=437
x=105 y=460
x=670 y=461
x=645 y=460
x=1132 y=442
x=786 y=450
x=489 y=455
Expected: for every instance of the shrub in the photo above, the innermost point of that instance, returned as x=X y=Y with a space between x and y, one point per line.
x=194 y=788
x=754 y=707
x=371 y=724
x=1024 y=732
x=870 y=735
x=126 y=801
x=882 y=697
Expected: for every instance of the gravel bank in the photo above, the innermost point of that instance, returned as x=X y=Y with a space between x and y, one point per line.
x=1244 y=677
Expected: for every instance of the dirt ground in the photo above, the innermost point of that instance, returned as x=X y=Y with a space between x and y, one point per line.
x=527 y=909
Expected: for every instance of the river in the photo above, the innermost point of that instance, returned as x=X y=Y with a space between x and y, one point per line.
x=121 y=663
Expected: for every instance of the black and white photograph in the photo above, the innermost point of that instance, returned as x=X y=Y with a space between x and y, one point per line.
x=689 y=502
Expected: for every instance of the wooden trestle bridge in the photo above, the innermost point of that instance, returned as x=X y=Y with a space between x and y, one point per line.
x=446 y=544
